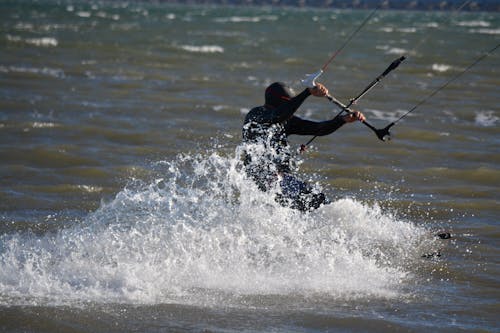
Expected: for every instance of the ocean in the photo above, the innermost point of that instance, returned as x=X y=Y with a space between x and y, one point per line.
x=124 y=208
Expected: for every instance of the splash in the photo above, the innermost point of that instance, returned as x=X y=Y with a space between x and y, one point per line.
x=199 y=227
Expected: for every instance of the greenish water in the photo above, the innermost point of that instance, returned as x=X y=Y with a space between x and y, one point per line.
x=122 y=207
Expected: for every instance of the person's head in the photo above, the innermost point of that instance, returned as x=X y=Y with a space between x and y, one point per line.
x=277 y=94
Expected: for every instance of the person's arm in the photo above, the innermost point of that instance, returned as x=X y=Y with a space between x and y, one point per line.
x=301 y=126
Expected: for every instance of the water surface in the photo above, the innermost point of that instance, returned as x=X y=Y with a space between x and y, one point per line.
x=123 y=207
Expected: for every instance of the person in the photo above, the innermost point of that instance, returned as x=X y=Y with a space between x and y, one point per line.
x=268 y=159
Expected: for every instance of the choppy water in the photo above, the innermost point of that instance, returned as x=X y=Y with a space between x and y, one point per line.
x=122 y=204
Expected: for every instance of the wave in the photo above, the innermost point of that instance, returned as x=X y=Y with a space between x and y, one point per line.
x=114 y=17
x=392 y=50
x=477 y=23
x=385 y=115
x=202 y=49
x=396 y=50
x=53 y=72
x=408 y=30
x=440 y=67
x=24 y=26
x=38 y=124
x=43 y=41
x=486 y=118
x=387 y=29
x=432 y=25
x=486 y=31
x=246 y=19
x=403 y=30
x=83 y=14
x=201 y=228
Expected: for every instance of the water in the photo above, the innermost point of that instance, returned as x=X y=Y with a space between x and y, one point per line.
x=123 y=206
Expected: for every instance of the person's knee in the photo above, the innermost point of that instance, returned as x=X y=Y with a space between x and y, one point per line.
x=318 y=199
x=304 y=202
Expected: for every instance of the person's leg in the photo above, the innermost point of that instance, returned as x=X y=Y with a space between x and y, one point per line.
x=299 y=195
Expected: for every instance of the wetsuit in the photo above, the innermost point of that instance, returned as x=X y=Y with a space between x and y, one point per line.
x=268 y=156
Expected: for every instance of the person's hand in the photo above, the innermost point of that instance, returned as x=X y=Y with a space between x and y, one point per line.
x=352 y=117
x=319 y=90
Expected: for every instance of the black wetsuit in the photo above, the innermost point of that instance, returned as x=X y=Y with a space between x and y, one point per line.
x=268 y=156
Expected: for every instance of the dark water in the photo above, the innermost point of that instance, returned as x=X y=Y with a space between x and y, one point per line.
x=123 y=208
